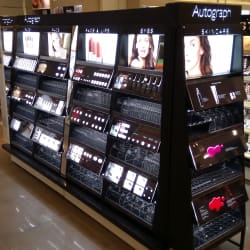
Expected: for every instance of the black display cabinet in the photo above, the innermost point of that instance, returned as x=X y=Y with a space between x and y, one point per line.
x=7 y=38
x=7 y=24
x=51 y=96
x=215 y=93
x=122 y=127
x=39 y=92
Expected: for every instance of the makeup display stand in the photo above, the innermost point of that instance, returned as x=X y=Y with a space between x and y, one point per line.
x=38 y=95
x=246 y=77
x=153 y=156
x=7 y=34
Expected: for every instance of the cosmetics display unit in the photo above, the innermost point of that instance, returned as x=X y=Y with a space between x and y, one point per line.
x=7 y=47
x=216 y=135
x=7 y=24
x=246 y=62
x=106 y=110
x=38 y=91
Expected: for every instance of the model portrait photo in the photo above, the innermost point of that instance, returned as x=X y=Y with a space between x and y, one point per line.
x=59 y=44
x=142 y=51
x=207 y=55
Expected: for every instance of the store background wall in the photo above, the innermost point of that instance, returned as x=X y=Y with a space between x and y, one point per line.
x=15 y=7
x=90 y=5
x=143 y=3
x=23 y=7
x=113 y=4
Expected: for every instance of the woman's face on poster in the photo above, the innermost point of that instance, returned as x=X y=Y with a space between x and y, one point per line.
x=142 y=45
x=193 y=53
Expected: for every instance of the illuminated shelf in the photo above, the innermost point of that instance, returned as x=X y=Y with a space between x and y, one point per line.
x=247 y=173
x=246 y=78
x=247 y=130
x=247 y=155
x=247 y=104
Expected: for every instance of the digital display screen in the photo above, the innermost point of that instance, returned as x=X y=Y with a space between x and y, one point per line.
x=28 y=42
x=142 y=51
x=212 y=55
x=31 y=43
x=7 y=41
x=98 y=48
x=56 y=44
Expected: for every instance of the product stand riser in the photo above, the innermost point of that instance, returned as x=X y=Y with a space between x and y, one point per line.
x=137 y=140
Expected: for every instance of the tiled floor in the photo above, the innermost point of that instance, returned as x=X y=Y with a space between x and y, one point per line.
x=33 y=216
